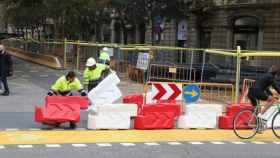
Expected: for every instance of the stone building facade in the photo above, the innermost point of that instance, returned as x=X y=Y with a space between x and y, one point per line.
x=251 y=24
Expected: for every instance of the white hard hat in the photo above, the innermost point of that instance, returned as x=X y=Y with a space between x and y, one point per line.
x=105 y=49
x=90 y=62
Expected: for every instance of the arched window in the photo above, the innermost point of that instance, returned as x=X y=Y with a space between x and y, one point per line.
x=246 y=32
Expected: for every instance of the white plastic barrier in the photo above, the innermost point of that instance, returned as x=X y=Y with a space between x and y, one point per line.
x=106 y=91
x=200 y=116
x=111 y=116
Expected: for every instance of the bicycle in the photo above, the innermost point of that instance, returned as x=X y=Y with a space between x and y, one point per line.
x=246 y=124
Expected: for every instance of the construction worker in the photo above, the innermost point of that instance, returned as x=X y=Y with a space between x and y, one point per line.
x=104 y=58
x=66 y=84
x=93 y=73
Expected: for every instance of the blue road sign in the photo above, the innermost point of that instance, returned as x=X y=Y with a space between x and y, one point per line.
x=191 y=93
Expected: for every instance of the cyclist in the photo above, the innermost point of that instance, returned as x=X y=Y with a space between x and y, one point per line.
x=261 y=91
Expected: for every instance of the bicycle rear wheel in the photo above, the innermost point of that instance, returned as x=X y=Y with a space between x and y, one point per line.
x=245 y=124
x=276 y=124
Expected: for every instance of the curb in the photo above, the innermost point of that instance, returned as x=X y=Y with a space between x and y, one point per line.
x=45 y=60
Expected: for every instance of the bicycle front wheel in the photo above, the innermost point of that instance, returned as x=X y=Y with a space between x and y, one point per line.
x=276 y=124
x=245 y=124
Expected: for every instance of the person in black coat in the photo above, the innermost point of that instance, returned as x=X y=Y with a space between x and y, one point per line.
x=6 y=69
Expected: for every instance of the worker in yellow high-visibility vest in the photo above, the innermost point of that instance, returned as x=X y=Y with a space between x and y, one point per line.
x=93 y=73
x=66 y=84
x=104 y=58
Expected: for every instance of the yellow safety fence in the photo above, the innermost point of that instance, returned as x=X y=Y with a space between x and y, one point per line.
x=209 y=68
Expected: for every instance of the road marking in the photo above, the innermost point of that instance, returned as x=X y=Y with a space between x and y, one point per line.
x=34 y=129
x=11 y=129
x=174 y=143
x=151 y=144
x=103 y=144
x=79 y=145
x=25 y=146
x=238 y=143
x=133 y=144
x=53 y=145
x=127 y=144
x=196 y=143
x=218 y=143
x=259 y=143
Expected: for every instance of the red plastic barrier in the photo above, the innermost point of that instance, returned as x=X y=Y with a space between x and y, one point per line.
x=39 y=114
x=80 y=101
x=61 y=113
x=157 y=116
x=226 y=121
x=135 y=99
x=163 y=120
x=233 y=110
x=163 y=107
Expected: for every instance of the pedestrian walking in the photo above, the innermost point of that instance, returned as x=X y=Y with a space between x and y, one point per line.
x=6 y=69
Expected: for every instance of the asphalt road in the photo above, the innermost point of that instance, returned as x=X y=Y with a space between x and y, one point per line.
x=28 y=88
x=141 y=150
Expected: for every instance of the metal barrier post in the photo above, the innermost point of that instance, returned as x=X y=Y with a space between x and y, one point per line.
x=78 y=56
x=238 y=65
x=191 y=67
x=147 y=74
x=65 y=53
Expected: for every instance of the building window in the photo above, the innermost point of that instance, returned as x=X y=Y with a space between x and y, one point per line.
x=246 y=33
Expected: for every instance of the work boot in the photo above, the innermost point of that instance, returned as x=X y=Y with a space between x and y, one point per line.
x=6 y=93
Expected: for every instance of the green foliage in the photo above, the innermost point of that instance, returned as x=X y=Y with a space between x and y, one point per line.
x=79 y=19
x=70 y=17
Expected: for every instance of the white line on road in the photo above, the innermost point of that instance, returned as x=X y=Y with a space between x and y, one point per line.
x=151 y=144
x=12 y=129
x=2 y=147
x=218 y=143
x=79 y=145
x=25 y=146
x=196 y=143
x=53 y=145
x=259 y=143
x=276 y=143
x=103 y=144
x=238 y=143
x=127 y=144
x=174 y=143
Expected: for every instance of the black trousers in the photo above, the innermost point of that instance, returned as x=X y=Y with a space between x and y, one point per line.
x=92 y=84
x=4 y=81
